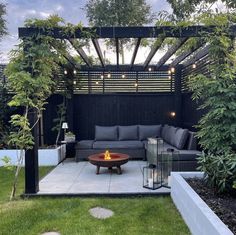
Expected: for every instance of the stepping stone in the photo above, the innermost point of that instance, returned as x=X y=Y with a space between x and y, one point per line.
x=101 y=213
x=51 y=233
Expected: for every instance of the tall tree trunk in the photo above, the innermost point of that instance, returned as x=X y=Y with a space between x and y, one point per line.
x=122 y=52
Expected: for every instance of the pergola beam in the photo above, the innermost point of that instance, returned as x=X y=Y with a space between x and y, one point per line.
x=135 y=52
x=171 y=52
x=153 y=51
x=200 y=54
x=81 y=52
x=99 y=51
x=126 y=32
x=184 y=55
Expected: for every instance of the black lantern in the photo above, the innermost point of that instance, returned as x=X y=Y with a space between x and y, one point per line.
x=152 y=177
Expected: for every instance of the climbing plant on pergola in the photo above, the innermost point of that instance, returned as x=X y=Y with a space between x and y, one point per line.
x=183 y=34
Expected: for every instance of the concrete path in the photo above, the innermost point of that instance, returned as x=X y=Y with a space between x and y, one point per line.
x=80 y=178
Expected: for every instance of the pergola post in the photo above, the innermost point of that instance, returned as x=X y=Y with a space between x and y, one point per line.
x=178 y=95
x=31 y=158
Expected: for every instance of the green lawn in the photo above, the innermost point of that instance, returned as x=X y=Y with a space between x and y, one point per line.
x=148 y=215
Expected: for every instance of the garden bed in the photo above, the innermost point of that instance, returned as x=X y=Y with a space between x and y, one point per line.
x=223 y=205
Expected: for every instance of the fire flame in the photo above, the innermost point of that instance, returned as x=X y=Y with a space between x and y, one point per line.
x=107 y=155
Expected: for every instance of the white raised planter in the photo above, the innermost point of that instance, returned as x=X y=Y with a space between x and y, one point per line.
x=47 y=157
x=200 y=219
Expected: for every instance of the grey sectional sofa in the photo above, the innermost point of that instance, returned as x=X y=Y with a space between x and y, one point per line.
x=132 y=140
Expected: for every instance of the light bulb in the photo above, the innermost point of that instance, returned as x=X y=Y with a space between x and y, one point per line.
x=172 y=69
x=102 y=76
x=194 y=66
x=169 y=72
x=109 y=75
x=123 y=75
x=149 y=69
x=97 y=83
x=169 y=77
x=135 y=84
x=74 y=71
x=65 y=71
x=74 y=82
x=172 y=114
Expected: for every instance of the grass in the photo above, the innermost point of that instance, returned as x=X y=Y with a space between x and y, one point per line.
x=132 y=216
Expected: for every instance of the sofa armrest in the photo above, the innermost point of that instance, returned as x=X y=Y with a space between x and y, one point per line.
x=192 y=141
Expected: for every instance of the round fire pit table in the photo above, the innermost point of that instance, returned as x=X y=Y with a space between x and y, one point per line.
x=117 y=159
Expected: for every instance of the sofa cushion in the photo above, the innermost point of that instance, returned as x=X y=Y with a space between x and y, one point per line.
x=85 y=144
x=126 y=144
x=181 y=136
x=164 y=131
x=106 y=133
x=170 y=135
x=147 y=131
x=128 y=132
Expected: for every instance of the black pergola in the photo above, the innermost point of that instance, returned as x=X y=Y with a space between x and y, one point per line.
x=138 y=33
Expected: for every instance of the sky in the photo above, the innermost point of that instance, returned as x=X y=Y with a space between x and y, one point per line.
x=70 y=10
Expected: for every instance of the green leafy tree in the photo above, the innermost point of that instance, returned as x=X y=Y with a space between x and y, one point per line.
x=118 y=13
x=30 y=74
x=183 y=9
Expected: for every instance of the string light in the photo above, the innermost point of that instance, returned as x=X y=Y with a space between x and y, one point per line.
x=172 y=69
x=172 y=114
x=135 y=84
x=102 y=76
x=109 y=75
x=97 y=83
x=149 y=69
x=65 y=71
x=123 y=75
x=169 y=77
x=74 y=71
x=194 y=66
x=74 y=82
x=169 y=72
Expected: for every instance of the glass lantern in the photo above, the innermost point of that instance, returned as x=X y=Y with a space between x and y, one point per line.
x=167 y=158
x=155 y=147
x=152 y=177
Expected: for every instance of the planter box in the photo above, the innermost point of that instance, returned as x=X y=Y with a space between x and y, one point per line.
x=200 y=219
x=53 y=156
x=47 y=157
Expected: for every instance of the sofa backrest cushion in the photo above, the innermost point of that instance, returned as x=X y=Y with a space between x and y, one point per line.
x=164 y=131
x=106 y=133
x=181 y=136
x=147 y=131
x=171 y=135
x=128 y=132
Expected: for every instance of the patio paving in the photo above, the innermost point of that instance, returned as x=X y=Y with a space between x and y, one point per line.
x=72 y=178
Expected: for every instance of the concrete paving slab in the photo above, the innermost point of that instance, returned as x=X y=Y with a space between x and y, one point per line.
x=81 y=178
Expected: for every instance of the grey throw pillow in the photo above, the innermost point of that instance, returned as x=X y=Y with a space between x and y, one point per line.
x=128 y=132
x=106 y=133
x=147 y=131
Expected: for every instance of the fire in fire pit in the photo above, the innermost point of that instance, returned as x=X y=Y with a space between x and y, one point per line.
x=107 y=155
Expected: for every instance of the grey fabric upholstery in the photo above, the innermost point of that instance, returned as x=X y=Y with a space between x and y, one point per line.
x=131 y=144
x=171 y=135
x=106 y=133
x=85 y=144
x=128 y=132
x=181 y=135
x=192 y=141
x=146 y=131
x=164 y=131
